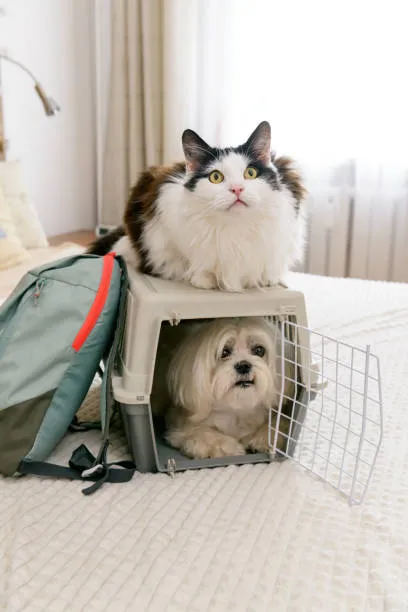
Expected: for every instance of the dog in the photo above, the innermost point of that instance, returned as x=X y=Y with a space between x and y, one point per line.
x=222 y=380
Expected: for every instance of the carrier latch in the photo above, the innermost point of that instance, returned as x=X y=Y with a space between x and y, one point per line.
x=174 y=319
x=171 y=466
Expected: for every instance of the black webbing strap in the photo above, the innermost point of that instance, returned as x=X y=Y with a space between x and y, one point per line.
x=83 y=466
x=107 y=401
x=77 y=425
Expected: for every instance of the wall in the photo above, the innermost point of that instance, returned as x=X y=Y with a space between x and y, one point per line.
x=54 y=39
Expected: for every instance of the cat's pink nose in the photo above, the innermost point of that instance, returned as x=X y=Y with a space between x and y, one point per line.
x=237 y=189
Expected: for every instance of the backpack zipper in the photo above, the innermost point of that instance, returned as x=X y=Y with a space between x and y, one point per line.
x=37 y=291
x=98 y=303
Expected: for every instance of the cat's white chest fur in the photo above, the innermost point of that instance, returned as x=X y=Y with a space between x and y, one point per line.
x=234 y=249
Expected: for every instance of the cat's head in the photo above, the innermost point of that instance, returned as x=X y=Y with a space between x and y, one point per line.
x=240 y=179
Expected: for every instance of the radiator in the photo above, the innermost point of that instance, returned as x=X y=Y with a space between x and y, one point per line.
x=358 y=224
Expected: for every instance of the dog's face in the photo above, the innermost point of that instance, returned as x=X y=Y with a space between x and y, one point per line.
x=244 y=366
x=225 y=365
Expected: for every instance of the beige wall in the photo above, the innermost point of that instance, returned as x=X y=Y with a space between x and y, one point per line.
x=54 y=39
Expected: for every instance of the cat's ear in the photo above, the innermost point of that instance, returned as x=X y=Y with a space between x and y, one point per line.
x=196 y=150
x=259 y=143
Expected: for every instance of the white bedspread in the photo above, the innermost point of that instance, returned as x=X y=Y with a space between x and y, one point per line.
x=255 y=538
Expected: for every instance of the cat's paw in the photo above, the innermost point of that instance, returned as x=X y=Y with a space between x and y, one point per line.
x=204 y=280
x=272 y=282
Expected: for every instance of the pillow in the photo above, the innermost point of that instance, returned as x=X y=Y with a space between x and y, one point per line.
x=24 y=215
x=12 y=251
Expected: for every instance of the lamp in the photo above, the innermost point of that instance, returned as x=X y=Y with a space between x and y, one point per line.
x=49 y=104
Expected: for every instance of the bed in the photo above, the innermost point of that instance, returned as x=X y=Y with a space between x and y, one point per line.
x=251 y=538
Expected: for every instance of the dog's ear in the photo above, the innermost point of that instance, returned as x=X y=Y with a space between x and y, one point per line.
x=189 y=379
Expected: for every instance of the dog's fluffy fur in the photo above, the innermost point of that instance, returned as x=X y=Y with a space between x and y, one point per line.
x=222 y=380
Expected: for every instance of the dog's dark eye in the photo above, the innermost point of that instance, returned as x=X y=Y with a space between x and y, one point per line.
x=226 y=352
x=258 y=350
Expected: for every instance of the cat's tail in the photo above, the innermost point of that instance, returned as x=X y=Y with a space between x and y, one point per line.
x=105 y=243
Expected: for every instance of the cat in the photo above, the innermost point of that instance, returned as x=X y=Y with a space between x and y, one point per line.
x=230 y=218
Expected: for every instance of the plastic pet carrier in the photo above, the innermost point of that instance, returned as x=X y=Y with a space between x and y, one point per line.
x=332 y=417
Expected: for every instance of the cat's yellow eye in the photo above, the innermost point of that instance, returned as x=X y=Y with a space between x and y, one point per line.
x=250 y=173
x=216 y=177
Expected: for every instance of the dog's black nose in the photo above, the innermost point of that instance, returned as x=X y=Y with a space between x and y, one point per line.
x=243 y=367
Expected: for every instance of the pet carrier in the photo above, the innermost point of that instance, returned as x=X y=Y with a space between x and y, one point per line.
x=158 y=315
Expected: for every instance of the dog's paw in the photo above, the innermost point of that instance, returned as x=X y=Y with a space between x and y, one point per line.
x=204 y=280
x=258 y=442
x=211 y=446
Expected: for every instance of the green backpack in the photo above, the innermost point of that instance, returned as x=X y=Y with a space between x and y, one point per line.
x=56 y=328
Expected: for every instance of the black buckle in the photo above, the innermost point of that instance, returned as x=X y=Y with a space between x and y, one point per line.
x=82 y=459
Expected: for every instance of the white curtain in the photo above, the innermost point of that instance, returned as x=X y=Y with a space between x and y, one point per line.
x=157 y=72
x=329 y=76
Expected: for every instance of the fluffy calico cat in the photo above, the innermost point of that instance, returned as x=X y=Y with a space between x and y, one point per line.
x=225 y=218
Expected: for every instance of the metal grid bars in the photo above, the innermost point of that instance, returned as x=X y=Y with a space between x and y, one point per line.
x=333 y=428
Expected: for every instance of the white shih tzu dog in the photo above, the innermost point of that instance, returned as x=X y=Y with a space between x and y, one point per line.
x=222 y=380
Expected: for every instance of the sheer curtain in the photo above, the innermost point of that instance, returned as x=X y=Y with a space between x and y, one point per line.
x=330 y=78
x=158 y=70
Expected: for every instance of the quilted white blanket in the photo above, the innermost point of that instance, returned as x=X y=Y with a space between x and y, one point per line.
x=253 y=538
